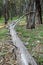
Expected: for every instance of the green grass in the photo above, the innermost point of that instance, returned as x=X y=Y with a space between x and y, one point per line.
x=1 y=20
x=30 y=36
x=35 y=34
x=3 y=31
x=14 y=18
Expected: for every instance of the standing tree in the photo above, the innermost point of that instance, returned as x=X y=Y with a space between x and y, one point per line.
x=6 y=10
x=31 y=9
x=1 y=8
x=38 y=11
x=12 y=8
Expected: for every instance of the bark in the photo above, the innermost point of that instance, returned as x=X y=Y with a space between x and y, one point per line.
x=35 y=7
x=38 y=11
x=31 y=15
x=6 y=11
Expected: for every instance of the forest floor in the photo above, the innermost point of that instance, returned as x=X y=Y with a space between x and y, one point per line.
x=7 y=56
x=33 y=40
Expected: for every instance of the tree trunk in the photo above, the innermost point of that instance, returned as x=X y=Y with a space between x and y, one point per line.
x=31 y=15
x=6 y=11
x=38 y=11
x=34 y=10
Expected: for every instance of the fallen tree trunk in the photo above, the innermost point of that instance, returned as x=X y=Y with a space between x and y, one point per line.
x=23 y=57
